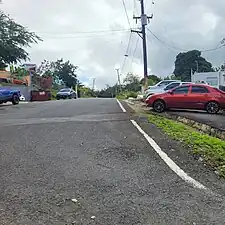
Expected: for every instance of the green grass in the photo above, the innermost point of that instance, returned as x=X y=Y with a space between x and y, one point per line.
x=211 y=149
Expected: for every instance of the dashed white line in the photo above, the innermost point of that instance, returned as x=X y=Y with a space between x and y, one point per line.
x=171 y=164
x=121 y=106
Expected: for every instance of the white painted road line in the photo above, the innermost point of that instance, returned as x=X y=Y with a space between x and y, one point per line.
x=121 y=106
x=172 y=165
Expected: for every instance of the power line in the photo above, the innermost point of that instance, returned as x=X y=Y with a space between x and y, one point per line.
x=83 y=32
x=135 y=49
x=168 y=45
x=181 y=49
x=127 y=52
x=125 y=9
x=81 y=36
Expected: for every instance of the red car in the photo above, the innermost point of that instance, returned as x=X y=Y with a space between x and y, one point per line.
x=191 y=96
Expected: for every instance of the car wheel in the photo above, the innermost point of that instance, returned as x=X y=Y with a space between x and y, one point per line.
x=212 y=107
x=159 y=106
x=15 y=99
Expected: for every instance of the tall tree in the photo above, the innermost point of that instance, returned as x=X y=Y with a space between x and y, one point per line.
x=66 y=72
x=152 y=80
x=190 y=61
x=13 y=39
x=222 y=68
x=60 y=71
x=132 y=82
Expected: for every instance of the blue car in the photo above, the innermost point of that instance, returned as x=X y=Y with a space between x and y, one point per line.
x=9 y=95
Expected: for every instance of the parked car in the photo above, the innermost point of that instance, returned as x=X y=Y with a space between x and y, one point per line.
x=9 y=95
x=191 y=96
x=159 y=85
x=66 y=93
x=162 y=83
x=166 y=88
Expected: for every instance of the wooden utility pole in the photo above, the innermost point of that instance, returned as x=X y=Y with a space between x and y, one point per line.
x=144 y=21
x=118 y=80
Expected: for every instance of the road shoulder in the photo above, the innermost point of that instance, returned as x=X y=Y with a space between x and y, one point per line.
x=180 y=154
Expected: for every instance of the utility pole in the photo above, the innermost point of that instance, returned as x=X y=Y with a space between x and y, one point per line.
x=118 y=77
x=144 y=21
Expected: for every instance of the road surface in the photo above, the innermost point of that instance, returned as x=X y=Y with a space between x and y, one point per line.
x=83 y=162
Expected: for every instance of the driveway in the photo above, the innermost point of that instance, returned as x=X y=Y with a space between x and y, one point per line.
x=84 y=162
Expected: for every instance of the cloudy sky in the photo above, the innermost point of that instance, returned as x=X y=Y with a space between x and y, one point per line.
x=94 y=34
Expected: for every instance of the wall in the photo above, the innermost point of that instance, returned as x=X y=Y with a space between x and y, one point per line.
x=24 y=90
x=4 y=74
x=212 y=78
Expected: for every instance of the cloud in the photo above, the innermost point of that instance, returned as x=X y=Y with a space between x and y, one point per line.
x=63 y=26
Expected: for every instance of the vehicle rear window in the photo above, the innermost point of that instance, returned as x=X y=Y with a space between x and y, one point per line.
x=199 y=89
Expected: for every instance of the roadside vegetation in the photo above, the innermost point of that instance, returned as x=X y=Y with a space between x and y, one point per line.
x=210 y=149
x=126 y=95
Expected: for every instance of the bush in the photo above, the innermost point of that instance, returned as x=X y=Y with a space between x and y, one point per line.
x=127 y=94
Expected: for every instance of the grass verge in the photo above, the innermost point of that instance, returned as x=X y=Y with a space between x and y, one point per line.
x=211 y=149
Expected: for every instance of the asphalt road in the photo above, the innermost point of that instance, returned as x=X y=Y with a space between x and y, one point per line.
x=88 y=150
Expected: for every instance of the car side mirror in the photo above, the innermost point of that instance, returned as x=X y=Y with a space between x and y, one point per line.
x=170 y=92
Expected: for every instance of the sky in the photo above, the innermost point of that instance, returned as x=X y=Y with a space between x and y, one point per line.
x=94 y=34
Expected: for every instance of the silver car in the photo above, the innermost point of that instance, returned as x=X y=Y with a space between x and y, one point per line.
x=162 y=83
x=66 y=93
x=166 y=88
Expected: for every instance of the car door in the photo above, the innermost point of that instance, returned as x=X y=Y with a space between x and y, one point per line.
x=177 y=97
x=198 y=97
x=5 y=94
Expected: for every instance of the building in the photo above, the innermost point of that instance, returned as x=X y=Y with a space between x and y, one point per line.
x=215 y=79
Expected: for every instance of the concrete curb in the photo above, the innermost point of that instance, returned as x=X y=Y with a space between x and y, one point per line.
x=204 y=128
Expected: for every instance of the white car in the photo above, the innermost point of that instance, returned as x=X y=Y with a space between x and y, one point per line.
x=166 y=88
x=162 y=83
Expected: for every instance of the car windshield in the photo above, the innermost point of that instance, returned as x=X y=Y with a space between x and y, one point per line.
x=65 y=90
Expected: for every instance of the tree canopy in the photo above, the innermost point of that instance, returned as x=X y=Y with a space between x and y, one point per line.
x=132 y=82
x=13 y=39
x=190 y=61
x=60 y=71
x=152 y=80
